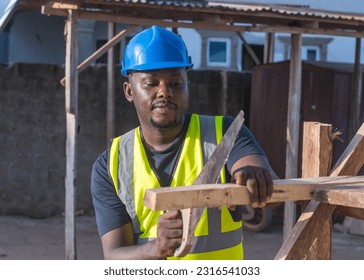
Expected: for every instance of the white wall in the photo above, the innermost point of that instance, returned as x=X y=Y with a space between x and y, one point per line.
x=43 y=37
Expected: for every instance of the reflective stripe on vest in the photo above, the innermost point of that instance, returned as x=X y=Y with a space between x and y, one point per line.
x=217 y=235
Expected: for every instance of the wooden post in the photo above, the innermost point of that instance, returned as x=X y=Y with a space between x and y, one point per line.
x=249 y=48
x=317 y=147
x=269 y=48
x=291 y=249
x=224 y=92
x=110 y=111
x=356 y=105
x=349 y=163
x=101 y=51
x=71 y=104
x=293 y=127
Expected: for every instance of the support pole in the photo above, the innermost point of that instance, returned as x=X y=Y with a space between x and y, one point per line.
x=249 y=48
x=110 y=114
x=356 y=104
x=317 y=148
x=293 y=127
x=71 y=107
x=269 y=48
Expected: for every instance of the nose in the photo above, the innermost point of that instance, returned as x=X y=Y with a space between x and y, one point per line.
x=164 y=91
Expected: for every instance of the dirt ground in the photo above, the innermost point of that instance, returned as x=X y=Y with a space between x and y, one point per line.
x=23 y=238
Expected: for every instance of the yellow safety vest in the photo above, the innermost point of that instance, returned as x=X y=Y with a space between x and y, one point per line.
x=217 y=236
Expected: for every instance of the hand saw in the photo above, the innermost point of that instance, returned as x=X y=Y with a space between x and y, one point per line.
x=209 y=174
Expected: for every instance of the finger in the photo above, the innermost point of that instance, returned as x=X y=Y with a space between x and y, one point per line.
x=173 y=234
x=261 y=186
x=252 y=187
x=232 y=207
x=240 y=177
x=170 y=220
x=171 y=215
x=269 y=181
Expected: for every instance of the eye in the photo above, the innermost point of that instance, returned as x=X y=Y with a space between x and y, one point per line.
x=177 y=84
x=151 y=83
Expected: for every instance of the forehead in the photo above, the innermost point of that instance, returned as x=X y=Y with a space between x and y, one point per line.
x=160 y=73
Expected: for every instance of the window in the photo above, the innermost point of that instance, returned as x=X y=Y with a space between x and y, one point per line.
x=218 y=52
x=311 y=53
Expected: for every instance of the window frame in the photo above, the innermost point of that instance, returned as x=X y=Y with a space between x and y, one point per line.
x=227 y=62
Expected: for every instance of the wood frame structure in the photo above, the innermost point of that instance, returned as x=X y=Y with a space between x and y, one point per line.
x=198 y=14
x=311 y=235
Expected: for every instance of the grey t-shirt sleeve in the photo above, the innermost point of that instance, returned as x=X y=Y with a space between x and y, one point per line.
x=245 y=143
x=110 y=212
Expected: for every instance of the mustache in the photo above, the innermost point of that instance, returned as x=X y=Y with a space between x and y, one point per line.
x=164 y=103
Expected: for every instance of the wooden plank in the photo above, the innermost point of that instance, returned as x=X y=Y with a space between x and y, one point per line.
x=317 y=141
x=352 y=197
x=101 y=51
x=356 y=105
x=293 y=127
x=215 y=195
x=353 y=212
x=342 y=166
x=308 y=226
x=110 y=110
x=249 y=48
x=208 y=25
x=71 y=106
x=316 y=149
x=352 y=159
x=60 y=5
x=269 y=48
x=349 y=163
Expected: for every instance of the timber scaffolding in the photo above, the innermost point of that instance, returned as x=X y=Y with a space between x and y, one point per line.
x=325 y=192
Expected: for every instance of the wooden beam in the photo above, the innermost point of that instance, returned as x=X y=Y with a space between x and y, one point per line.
x=269 y=48
x=60 y=5
x=249 y=48
x=207 y=25
x=357 y=213
x=356 y=104
x=110 y=111
x=215 y=195
x=293 y=127
x=317 y=150
x=342 y=166
x=71 y=106
x=307 y=228
x=349 y=163
x=352 y=159
x=351 y=197
x=101 y=51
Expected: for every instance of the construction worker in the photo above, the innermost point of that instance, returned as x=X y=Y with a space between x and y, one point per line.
x=169 y=148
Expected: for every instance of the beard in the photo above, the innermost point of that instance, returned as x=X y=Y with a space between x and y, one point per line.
x=163 y=125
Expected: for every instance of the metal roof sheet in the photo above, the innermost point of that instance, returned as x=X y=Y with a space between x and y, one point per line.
x=217 y=8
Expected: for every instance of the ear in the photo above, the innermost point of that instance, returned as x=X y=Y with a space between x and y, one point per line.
x=188 y=96
x=128 y=92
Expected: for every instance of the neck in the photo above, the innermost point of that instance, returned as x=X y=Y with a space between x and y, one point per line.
x=160 y=139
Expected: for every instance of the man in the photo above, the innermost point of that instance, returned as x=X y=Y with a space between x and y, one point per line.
x=169 y=149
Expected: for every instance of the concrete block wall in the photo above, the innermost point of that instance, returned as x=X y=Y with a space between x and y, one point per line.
x=33 y=133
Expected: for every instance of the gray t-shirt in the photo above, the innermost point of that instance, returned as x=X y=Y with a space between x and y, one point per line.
x=111 y=212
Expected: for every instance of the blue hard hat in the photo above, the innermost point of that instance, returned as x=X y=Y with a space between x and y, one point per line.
x=155 y=48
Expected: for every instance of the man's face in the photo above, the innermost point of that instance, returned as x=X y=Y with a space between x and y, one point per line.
x=160 y=96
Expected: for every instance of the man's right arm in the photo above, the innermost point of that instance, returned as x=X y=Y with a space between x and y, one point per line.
x=118 y=243
x=114 y=224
